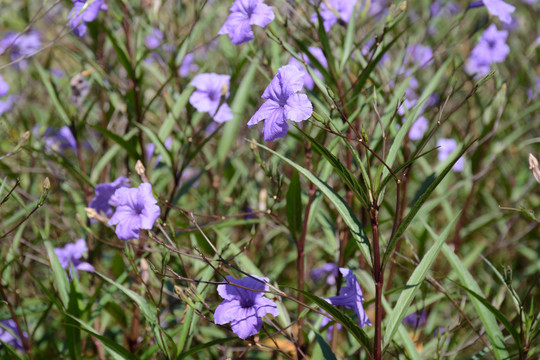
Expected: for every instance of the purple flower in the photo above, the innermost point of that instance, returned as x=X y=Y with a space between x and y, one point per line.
x=6 y=104
x=244 y=308
x=187 y=65
x=351 y=297
x=418 y=129
x=102 y=202
x=9 y=334
x=210 y=88
x=58 y=140
x=500 y=9
x=154 y=40
x=150 y=148
x=446 y=147
x=81 y=13
x=283 y=103
x=71 y=254
x=136 y=209
x=245 y=13
x=319 y=55
x=416 y=319
x=343 y=8
x=418 y=55
x=490 y=49
x=328 y=271
x=444 y=8
x=20 y=45
x=330 y=329
x=4 y=86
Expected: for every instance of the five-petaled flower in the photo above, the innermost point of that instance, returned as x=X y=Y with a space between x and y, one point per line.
x=351 y=297
x=210 y=89
x=244 y=308
x=282 y=103
x=491 y=48
x=245 y=13
x=71 y=254
x=104 y=192
x=136 y=209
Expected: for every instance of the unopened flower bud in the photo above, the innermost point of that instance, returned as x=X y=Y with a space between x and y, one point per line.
x=93 y=214
x=533 y=166
x=46 y=184
x=141 y=170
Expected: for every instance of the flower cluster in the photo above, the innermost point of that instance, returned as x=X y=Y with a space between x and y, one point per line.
x=491 y=48
x=283 y=103
x=244 y=305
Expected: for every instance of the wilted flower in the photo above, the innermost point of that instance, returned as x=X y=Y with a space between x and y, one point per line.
x=490 y=49
x=244 y=308
x=343 y=8
x=328 y=271
x=416 y=319
x=83 y=12
x=136 y=209
x=102 y=202
x=319 y=55
x=71 y=254
x=20 y=45
x=210 y=88
x=351 y=297
x=418 y=129
x=283 y=103
x=446 y=147
x=245 y=13
x=9 y=334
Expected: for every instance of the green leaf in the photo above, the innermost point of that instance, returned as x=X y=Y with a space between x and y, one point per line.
x=294 y=205
x=354 y=329
x=73 y=333
x=418 y=204
x=230 y=131
x=148 y=311
x=511 y=329
x=325 y=348
x=118 y=140
x=110 y=344
x=341 y=205
x=121 y=53
x=344 y=173
x=59 y=274
x=414 y=282
x=202 y=347
x=488 y=319
x=160 y=147
x=53 y=94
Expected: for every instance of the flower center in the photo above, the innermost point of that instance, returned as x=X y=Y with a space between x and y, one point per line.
x=246 y=303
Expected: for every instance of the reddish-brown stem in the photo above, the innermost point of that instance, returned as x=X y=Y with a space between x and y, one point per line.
x=300 y=247
x=379 y=280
